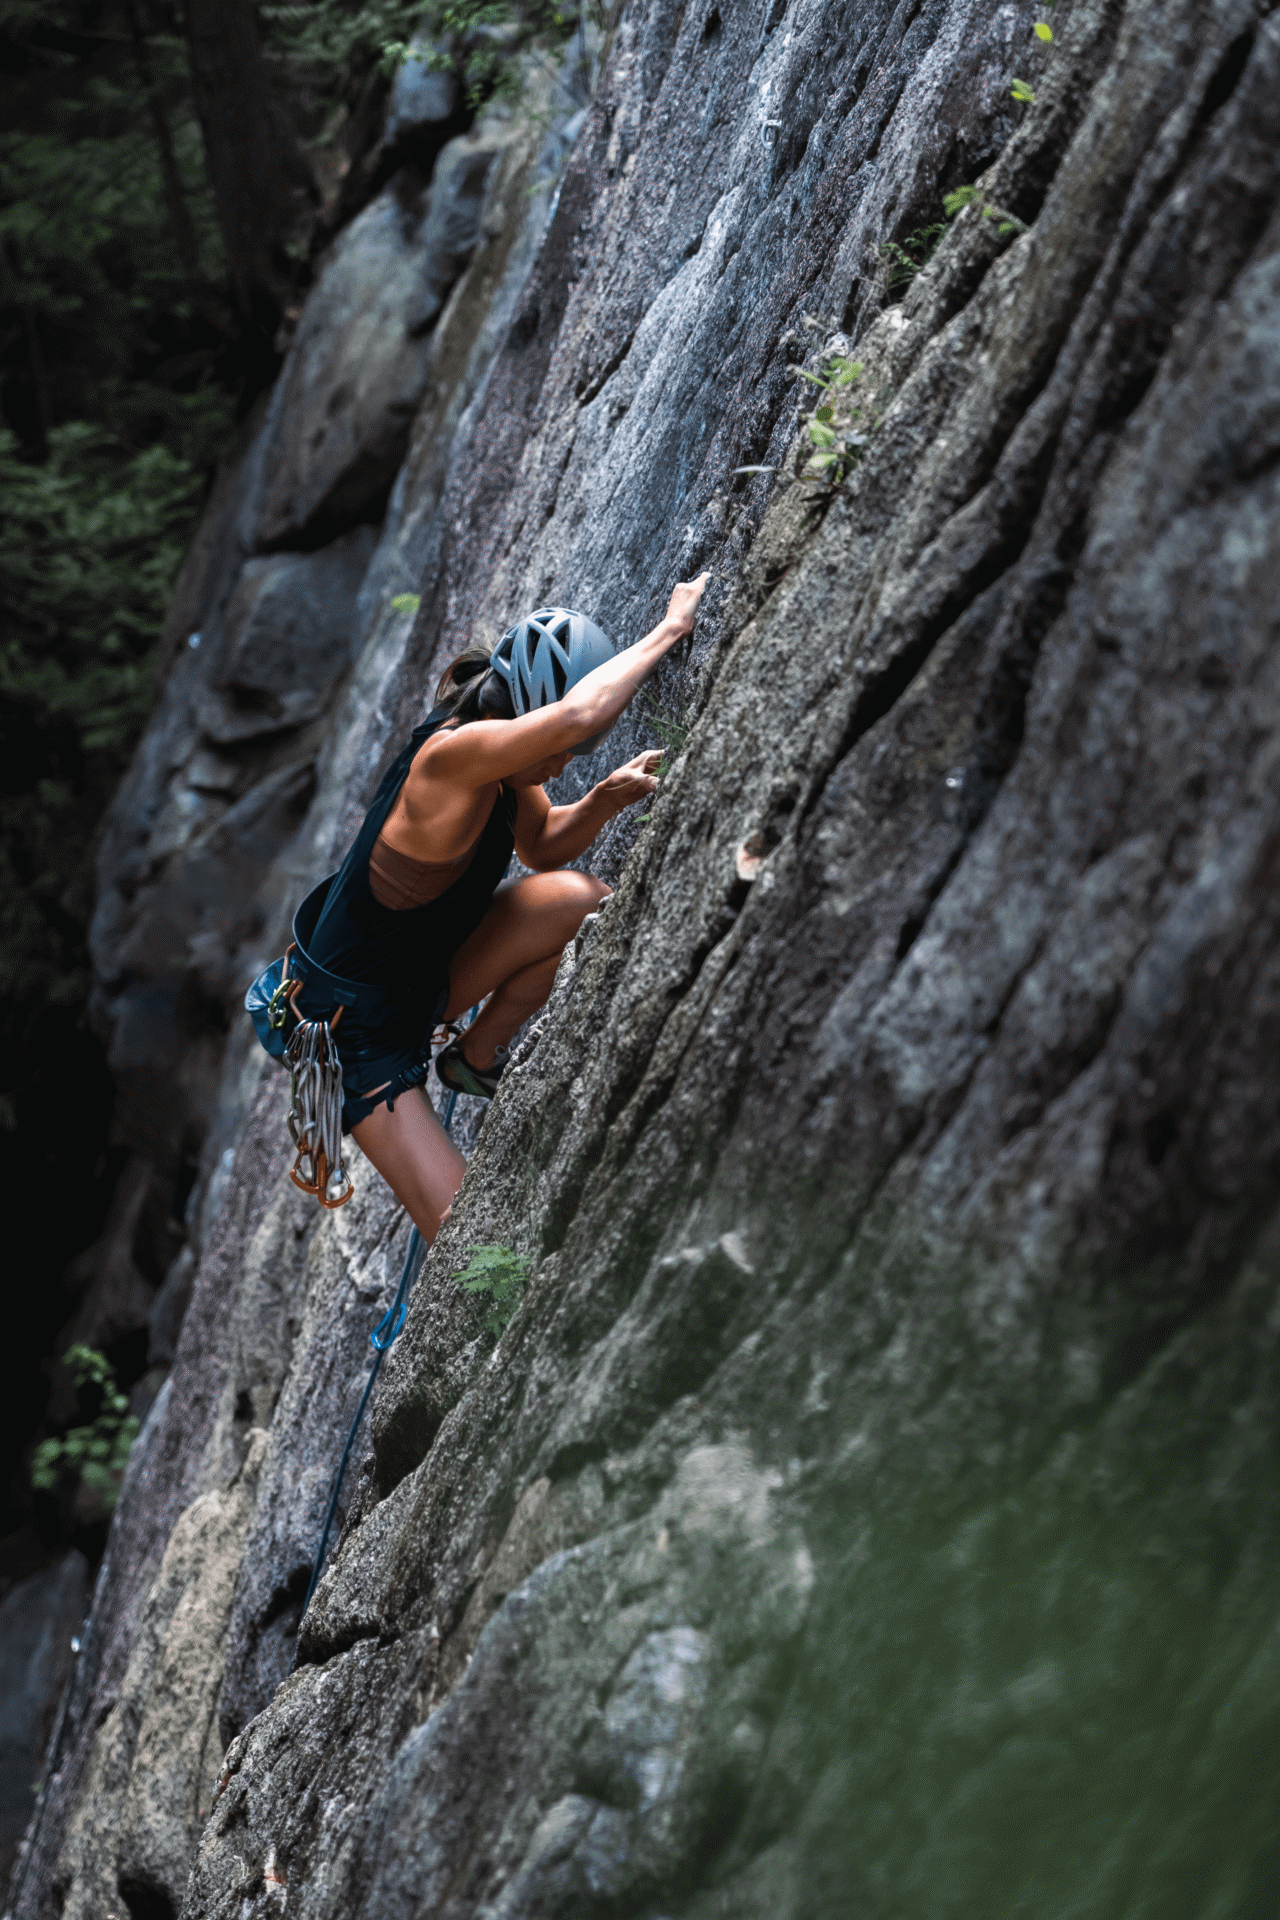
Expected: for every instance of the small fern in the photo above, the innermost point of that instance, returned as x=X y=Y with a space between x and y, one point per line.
x=499 y=1276
x=904 y=258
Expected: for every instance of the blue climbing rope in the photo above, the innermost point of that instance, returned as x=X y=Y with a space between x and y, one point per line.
x=380 y=1339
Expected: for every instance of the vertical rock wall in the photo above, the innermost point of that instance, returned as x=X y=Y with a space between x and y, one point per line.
x=871 y=1504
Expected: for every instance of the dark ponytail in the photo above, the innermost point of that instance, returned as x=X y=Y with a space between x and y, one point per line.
x=472 y=691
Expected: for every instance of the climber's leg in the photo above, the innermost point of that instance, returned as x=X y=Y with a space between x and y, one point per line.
x=415 y=1156
x=514 y=952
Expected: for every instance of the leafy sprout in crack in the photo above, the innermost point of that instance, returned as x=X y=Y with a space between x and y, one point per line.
x=406 y=602
x=672 y=732
x=842 y=423
x=1006 y=223
x=499 y=1277
x=905 y=257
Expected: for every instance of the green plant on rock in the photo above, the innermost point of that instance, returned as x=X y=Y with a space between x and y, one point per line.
x=95 y=1456
x=1006 y=223
x=672 y=735
x=843 y=422
x=904 y=258
x=1019 y=89
x=478 y=41
x=499 y=1277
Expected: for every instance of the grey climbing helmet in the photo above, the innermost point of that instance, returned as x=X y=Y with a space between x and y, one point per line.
x=545 y=654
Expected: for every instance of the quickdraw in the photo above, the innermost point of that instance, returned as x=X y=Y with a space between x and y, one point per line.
x=278 y=1005
x=315 y=1112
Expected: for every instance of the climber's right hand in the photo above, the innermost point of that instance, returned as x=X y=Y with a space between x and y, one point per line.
x=683 y=609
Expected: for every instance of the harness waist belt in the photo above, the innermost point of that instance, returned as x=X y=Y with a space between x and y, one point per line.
x=322 y=992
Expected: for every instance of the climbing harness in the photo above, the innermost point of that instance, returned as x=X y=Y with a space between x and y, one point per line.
x=387 y=1329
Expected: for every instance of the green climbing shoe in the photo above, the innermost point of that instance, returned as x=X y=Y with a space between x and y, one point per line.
x=456 y=1072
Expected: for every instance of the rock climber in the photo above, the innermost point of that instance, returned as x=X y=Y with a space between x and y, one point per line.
x=419 y=917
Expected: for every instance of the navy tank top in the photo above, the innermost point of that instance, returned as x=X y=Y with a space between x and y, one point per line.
x=407 y=950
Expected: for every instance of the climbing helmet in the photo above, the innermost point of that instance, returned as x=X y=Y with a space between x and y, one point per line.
x=545 y=654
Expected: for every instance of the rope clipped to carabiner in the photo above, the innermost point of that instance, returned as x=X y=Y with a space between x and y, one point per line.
x=315 y=1112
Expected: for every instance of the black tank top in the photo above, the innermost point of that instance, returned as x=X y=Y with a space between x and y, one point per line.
x=407 y=950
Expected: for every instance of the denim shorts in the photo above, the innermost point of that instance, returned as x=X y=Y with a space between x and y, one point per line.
x=369 y=1061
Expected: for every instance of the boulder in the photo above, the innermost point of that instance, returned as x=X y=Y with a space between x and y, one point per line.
x=231 y=758
x=346 y=399
x=423 y=101
x=290 y=623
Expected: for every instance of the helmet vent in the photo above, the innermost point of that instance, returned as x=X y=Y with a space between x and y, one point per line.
x=542 y=656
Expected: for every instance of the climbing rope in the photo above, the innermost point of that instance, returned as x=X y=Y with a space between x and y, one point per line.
x=380 y=1339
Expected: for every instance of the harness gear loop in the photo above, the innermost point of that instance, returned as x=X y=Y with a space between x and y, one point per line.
x=278 y=1005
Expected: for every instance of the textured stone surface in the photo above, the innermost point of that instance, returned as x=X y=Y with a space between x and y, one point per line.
x=423 y=100
x=870 y=1506
x=39 y=1617
x=345 y=402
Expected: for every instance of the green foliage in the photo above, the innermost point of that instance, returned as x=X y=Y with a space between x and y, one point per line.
x=90 y=543
x=1006 y=223
x=96 y=301
x=499 y=1277
x=116 y=414
x=93 y=1456
x=672 y=735
x=1019 y=89
x=474 y=39
x=906 y=257
x=842 y=423
x=406 y=602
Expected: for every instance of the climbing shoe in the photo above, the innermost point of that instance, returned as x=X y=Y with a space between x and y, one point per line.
x=458 y=1074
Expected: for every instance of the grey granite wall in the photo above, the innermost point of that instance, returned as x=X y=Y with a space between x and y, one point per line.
x=870 y=1508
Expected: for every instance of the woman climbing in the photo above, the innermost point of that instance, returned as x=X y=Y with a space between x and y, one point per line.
x=418 y=924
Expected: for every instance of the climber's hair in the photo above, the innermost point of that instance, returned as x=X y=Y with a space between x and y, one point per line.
x=472 y=691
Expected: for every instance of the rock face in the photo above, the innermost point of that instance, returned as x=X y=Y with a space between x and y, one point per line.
x=345 y=402
x=39 y=1618
x=870 y=1506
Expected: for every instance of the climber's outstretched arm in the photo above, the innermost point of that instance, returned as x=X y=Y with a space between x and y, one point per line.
x=487 y=750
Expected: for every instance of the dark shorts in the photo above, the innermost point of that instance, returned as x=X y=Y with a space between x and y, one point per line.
x=371 y=1061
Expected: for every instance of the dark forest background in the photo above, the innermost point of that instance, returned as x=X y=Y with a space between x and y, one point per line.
x=169 y=176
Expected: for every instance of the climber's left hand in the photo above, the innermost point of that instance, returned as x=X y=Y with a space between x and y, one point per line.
x=636 y=780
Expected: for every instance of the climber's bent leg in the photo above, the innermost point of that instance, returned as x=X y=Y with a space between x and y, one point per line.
x=514 y=952
x=415 y=1156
